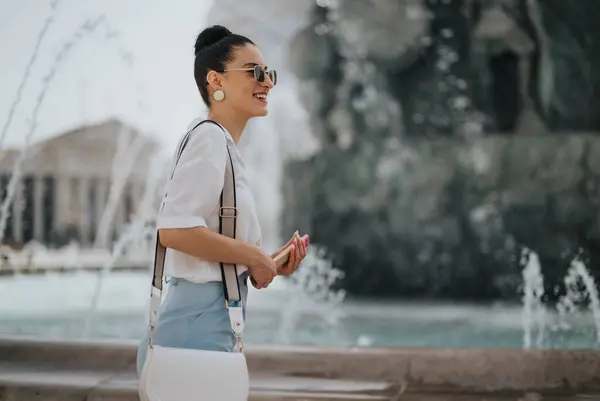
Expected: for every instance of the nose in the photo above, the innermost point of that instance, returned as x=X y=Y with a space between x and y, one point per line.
x=268 y=83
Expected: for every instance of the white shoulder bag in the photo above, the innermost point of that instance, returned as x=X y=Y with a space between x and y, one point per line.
x=180 y=374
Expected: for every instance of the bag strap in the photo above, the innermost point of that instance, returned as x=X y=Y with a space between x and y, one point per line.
x=228 y=214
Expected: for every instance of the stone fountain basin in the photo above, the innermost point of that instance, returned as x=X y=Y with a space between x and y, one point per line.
x=36 y=369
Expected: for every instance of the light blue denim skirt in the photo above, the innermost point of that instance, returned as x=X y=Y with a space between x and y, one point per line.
x=194 y=316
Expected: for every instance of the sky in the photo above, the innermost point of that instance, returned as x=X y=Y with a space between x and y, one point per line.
x=136 y=65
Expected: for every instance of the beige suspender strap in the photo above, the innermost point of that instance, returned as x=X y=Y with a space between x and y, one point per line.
x=227 y=226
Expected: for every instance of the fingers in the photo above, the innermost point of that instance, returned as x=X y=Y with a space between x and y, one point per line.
x=292 y=260
x=303 y=249
x=263 y=278
x=290 y=242
x=293 y=239
x=298 y=254
x=298 y=251
x=258 y=284
x=288 y=268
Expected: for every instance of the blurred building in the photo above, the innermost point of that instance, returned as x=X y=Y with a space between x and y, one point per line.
x=82 y=185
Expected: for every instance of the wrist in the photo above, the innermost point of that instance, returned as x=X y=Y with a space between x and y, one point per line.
x=251 y=254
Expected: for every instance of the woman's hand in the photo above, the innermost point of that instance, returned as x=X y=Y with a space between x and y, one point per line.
x=262 y=269
x=297 y=254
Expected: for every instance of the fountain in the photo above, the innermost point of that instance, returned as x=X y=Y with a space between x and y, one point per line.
x=32 y=59
x=87 y=27
x=123 y=162
x=304 y=293
x=134 y=232
x=533 y=307
x=580 y=287
x=139 y=229
x=309 y=294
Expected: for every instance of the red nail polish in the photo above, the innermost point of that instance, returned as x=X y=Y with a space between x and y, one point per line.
x=306 y=240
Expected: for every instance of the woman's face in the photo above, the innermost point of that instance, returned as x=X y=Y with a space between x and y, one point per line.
x=241 y=82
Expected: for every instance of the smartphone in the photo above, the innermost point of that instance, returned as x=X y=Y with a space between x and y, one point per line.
x=284 y=256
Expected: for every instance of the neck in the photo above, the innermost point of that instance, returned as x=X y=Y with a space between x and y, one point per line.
x=228 y=119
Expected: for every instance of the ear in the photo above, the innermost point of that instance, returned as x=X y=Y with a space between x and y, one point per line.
x=214 y=80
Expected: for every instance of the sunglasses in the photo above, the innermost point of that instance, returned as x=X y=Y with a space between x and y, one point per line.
x=259 y=73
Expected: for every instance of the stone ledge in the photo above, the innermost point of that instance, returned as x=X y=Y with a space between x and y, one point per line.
x=560 y=372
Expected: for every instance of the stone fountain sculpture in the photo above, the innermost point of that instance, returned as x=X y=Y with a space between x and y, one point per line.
x=439 y=154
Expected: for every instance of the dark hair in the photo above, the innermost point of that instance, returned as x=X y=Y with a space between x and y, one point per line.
x=214 y=47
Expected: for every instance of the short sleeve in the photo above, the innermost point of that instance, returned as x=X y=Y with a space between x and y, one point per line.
x=192 y=194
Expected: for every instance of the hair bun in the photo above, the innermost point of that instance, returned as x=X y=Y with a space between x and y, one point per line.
x=210 y=36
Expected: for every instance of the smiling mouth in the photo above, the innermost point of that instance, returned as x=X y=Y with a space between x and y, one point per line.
x=261 y=96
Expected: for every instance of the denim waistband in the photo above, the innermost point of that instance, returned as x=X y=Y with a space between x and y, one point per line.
x=175 y=280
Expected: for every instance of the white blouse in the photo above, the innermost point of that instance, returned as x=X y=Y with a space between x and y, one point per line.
x=193 y=200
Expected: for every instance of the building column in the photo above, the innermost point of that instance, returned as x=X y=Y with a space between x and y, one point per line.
x=38 y=208
x=137 y=192
x=119 y=218
x=17 y=212
x=62 y=202
x=100 y=205
x=84 y=216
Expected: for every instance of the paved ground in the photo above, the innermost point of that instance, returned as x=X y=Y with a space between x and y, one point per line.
x=43 y=370
x=29 y=384
x=40 y=385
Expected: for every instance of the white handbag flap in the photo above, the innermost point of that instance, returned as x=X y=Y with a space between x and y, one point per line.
x=180 y=374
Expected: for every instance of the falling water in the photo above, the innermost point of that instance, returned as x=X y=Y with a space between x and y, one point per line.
x=27 y=73
x=121 y=168
x=580 y=288
x=534 y=314
x=134 y=232
x=87 y=27
x=310 y=292
x=569 y=303
x=151 y=188
x=123 y=163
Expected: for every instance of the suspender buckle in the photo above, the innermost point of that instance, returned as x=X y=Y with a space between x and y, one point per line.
x=228 y=212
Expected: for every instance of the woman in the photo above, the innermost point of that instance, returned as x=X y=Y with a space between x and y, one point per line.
x=234 y=82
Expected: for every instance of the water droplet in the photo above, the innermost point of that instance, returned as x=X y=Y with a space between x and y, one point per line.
x=442 y=65
x=460 y=102
x=415 y=12
x=447 y=33
x=322 y=29
x=418 y=118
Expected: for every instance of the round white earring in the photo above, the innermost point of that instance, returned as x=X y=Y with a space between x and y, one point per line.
x=219 y=95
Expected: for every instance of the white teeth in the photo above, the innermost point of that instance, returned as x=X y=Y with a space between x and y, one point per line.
x=260 y=96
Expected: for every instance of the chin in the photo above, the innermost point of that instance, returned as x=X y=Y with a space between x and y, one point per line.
x=260 y=112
